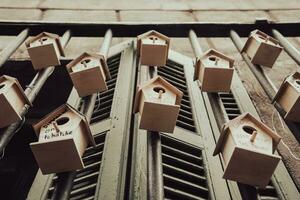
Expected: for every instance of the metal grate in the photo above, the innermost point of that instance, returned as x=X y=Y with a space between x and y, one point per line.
x=84 y=185
x=232 y=111
x=174 y=73
x=102 y=111
x=183 y=170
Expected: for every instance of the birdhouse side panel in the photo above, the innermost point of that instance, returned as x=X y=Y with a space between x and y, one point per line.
x=159 y=117
x=81 y=139
x=44 y=56
x=294 y=112
x=228 y=148
x=89 y=81
x=217 y=79
x=251 y=168
x=288 y=98
x=266 y=55
x=154 y=54
x=57 y=156
x=252 y=47
x=8 y=114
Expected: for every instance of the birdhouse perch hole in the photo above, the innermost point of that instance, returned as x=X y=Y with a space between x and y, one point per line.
x=63 y=120
x=2 y=86
x=248 y=129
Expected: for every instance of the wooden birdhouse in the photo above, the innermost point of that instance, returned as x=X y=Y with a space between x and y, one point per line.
x=153 y=48
x=214 y=71
x=12 y=100
x=247 y=147
x=89 y=73
x=63 y=136
x=44 y=50
x=288 y=97
x=158 y=103
x=262 y=49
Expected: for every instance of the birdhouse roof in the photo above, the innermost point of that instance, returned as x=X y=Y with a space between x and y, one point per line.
x=163 y=82
x=48 y=35
x=275 y=137
x=286 y=82
x=17 y=84
x=149 y=33
x=62 y=109
x=215 y=53
x=100 y=57
x=253 y=35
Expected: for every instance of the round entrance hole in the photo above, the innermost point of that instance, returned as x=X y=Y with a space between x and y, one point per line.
x=153 y=38
x=2 y=86
x=62 y=120
x=298 y=82
x=249 y=129
x=212 y=58
x=44 y=39
x=86 y=61
x=157 y=89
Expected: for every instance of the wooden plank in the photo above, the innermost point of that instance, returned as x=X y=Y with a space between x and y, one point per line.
x=20 y=14
x=19 y=3
x=113 y=168
x=79 y=15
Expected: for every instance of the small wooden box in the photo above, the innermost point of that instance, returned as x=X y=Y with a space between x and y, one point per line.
x=262 y=49
x=63 y=136
x=247 y=147
x=214 y=71
x=44 y=50
x=89 y=73
x=158 y=103
x=12 y=100
x=153 y=48
x=288 y=97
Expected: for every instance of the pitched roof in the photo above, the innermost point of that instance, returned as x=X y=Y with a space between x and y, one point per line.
x=287 y=80
x=213 y=52
x=152 y=32
x=14 y=80
x=46 y=34
x=94 y=55
x=64 y=108
x=258 y=32
x=162 y=81
x=222 y=139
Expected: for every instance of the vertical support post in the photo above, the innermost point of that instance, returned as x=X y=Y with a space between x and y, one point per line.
x=65 y=179
x=155 y=186
x=248 y=192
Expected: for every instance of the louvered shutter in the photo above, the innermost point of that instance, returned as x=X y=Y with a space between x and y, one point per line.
x=103 y=124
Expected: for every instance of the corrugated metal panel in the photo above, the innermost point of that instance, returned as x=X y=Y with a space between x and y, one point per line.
x=183 y=170
x=84 y=185
x=174 y=73
x=232 y=111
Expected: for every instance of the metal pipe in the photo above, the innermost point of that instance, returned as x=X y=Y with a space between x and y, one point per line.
x=13 y=46
x=288 y=47
x=195 y=44
x=65 y=179
x=245 y=190
x=155 y=185
x=256 y=69
x=31 y=92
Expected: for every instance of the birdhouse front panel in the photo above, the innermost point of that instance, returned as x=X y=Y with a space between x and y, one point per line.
x=63 y=137
x=44 y=52
x=12 y=101
x=249 y=136
x=262 y=49
x=154 y=51
x=215 y=72
x=88 y=76
x=251 y=168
